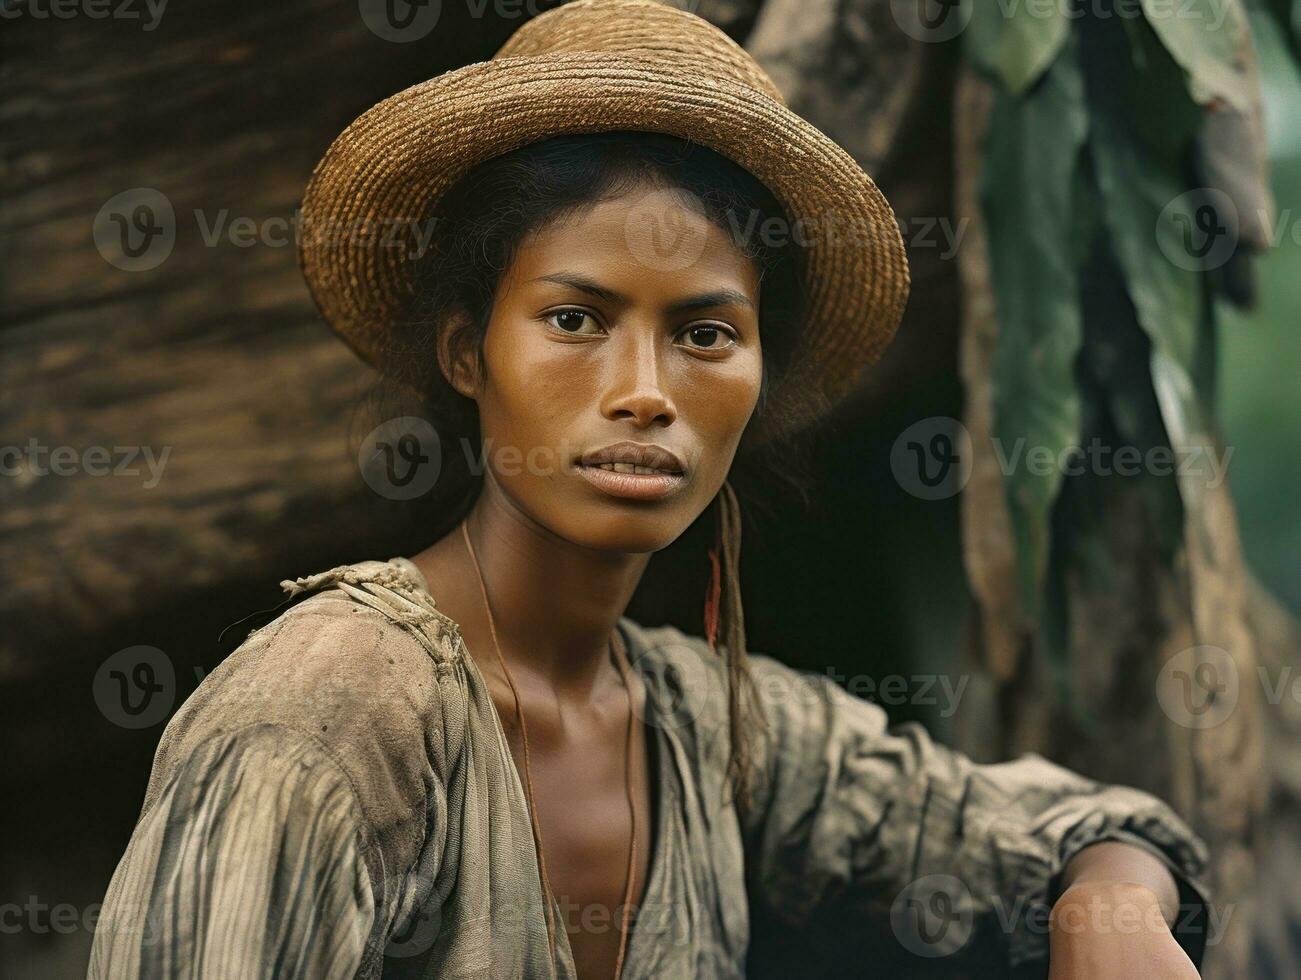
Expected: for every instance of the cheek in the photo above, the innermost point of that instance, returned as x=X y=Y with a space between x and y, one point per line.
x=523 y=374
x=721 y=400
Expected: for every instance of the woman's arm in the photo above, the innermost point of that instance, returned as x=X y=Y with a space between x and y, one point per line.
x=866 y=837
x=248 y=865
x=295 y=817
x=1115 y=913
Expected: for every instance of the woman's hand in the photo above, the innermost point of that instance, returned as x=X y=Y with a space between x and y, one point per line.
x=1113 y=918
x=1105 y=930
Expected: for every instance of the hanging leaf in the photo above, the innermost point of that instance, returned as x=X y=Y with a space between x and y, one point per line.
x=1152 y=216
x=1015 y=43
x=1209 y=40
x=1286 y=15
x=1035 y=143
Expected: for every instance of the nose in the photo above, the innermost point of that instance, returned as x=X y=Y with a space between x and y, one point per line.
x=636 y=391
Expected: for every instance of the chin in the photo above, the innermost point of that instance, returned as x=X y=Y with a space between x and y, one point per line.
x=631 y=529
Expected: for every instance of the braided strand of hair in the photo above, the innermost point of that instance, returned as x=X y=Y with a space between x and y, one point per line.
x=725 y=628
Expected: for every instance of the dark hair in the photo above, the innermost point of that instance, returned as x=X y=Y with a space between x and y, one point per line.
x=478 y=226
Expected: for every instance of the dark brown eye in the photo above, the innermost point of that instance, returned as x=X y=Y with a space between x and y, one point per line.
x=708 y=336
x=570 y=321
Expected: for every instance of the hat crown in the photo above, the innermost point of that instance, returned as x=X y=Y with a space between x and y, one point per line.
x=638 y=28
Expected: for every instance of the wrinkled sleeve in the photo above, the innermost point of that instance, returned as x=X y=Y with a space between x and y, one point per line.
x=248 y=865
x=864 y=837
x=295 y=821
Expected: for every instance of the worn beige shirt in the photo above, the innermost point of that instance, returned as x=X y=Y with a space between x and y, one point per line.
x=338 y=799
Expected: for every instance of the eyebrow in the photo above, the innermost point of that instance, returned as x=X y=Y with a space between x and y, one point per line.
x=717 y=297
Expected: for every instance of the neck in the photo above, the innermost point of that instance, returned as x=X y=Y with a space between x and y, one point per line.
x=555 y=604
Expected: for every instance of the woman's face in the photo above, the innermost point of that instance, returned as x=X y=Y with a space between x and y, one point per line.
x=634 y=321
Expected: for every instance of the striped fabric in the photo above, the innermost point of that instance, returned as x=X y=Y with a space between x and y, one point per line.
x=338 y=799
x=247 y=866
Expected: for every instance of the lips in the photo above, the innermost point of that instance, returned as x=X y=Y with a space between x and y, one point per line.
x=632 y=470
x=634 y=457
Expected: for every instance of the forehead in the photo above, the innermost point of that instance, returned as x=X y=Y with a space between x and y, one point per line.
x=653 y=237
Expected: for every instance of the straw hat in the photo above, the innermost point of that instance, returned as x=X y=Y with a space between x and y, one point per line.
x=591 y=66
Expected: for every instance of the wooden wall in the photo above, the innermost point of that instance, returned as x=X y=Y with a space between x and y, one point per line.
x=216 y=358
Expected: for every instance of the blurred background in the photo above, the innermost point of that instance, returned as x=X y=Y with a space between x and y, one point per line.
x=1102 y=207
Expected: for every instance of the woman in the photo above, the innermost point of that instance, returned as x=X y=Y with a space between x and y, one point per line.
x=470 y=762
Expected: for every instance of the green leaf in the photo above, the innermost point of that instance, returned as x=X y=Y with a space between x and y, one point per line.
x=1148 y=207
x=1014 y=41
x=1208 y=39
x=1028 y=186
x=1286 y=17
x=1121 y=406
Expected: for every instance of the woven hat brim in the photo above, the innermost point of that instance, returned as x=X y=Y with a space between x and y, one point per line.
x=389 y=167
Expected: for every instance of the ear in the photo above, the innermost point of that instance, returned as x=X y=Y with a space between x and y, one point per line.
x=457 y=362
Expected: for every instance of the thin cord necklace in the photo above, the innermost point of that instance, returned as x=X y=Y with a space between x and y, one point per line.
x=620 y=659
